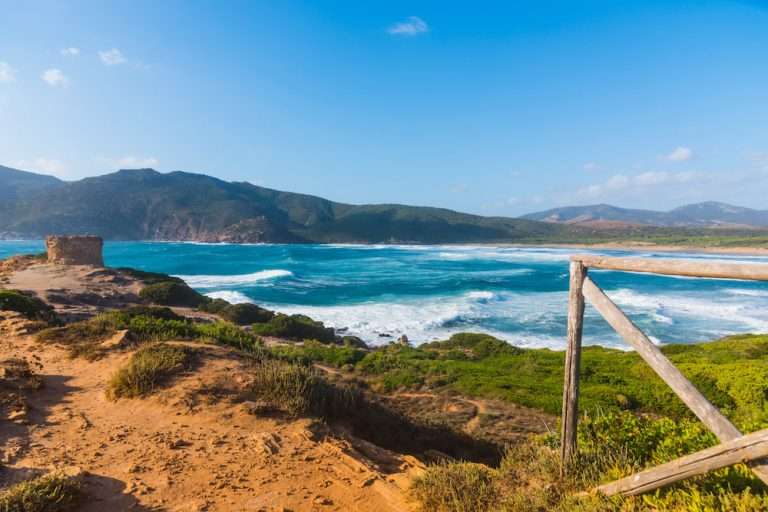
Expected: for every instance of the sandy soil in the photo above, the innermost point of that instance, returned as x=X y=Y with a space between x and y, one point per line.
x=194 y=446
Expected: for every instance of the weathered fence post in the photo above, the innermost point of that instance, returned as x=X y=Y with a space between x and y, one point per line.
x=572 y=363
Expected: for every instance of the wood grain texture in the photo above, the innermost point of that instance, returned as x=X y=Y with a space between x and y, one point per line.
x=716 y=270
x=572 y=364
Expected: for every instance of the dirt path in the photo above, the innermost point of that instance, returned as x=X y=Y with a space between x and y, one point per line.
x=191 y=447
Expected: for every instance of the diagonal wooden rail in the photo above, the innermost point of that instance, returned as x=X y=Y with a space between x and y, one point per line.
x=582 y=287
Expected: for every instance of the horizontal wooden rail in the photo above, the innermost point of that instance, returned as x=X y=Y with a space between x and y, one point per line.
x=749 y=447
x=687 y=268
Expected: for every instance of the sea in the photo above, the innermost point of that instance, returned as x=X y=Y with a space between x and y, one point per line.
x=428 y=292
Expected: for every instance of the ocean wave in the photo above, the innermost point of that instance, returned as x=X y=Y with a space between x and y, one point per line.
x=230 y=296
x=717 y=316
x=214 y=281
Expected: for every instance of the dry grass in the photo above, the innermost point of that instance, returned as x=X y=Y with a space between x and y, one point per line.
x=149 y=368
x=54 y=492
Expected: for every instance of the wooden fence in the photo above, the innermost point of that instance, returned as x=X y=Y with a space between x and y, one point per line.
x=735 y=447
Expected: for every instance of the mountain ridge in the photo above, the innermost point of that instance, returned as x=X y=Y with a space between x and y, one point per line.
x=706 y=214
x=144 y=204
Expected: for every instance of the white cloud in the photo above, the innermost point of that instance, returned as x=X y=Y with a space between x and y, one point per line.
x=111 y=57
x=134 y=162
x=412 y=26
x=7 y=73
x=43 y=165
x=679 y=154
x=621 y=183
x=54 y=77
x=70 y=52
x=590 y=166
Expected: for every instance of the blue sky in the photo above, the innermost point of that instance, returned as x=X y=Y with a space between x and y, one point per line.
x=497 y=108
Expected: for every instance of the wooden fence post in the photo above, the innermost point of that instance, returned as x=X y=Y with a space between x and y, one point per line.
x=572 y=363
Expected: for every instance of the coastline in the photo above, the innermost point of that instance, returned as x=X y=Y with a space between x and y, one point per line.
x=644 y=247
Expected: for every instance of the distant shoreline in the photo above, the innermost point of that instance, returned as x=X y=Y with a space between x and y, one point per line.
x=644 y=247
x=617 y=246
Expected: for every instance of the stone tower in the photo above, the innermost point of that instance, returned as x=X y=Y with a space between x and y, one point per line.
x=75 y=250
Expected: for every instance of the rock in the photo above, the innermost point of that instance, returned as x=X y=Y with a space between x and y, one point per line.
x=19 y=415
x=403 y=340
x=322 y=500
x=75 y=250
x=120 y=339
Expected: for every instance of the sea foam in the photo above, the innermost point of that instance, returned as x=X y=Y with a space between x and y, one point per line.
x=215 y=281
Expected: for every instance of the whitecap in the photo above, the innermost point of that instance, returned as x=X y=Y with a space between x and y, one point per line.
x=230 y=296
x=213 y=281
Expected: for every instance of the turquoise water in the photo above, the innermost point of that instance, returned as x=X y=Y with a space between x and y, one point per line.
x=429 y=292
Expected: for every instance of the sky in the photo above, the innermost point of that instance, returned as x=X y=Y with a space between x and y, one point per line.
x=495 y=108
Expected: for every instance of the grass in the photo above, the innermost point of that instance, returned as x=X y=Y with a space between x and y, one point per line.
x=148 y=368
x=145 y=324
x=611 y=446
x=730 y=372
x=54 y=492
x=31 y=307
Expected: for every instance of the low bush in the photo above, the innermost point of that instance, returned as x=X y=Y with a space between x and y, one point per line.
x=149 y=277
x=611 y=446
x=459 y=486
x=145 y=324
x=314 y=351
x=240 y=314
x=171 y=293
x=31 y=307
x=54 y=492
x=295 y=327
x=148 y=368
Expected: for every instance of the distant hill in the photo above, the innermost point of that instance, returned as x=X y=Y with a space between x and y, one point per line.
x=707 y=214
x=15 y=183
x=144 y=204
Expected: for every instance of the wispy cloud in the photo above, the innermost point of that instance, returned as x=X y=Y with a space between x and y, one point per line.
x=7 y=73
x=43 y=165
x=679 y=154
x=111 y=57
x=590 y=166
x=622 y=183
x=54 y=77
x=411 y=26
x=70 y=52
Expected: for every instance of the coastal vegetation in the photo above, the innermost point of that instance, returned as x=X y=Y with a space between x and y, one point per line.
x=54 y=492
x=149 y=367
x=31 y=307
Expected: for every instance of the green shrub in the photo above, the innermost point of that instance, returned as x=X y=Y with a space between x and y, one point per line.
x=245 y=314
x=31 y=307
x=480 y=345
x=295 y=327
x=150 y=277
x=54 y=492
x=314 y=351
x=148 y=368
x=171 y=293
x=460 y=487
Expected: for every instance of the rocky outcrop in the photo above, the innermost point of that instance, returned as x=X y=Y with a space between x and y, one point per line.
x=75 y=250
